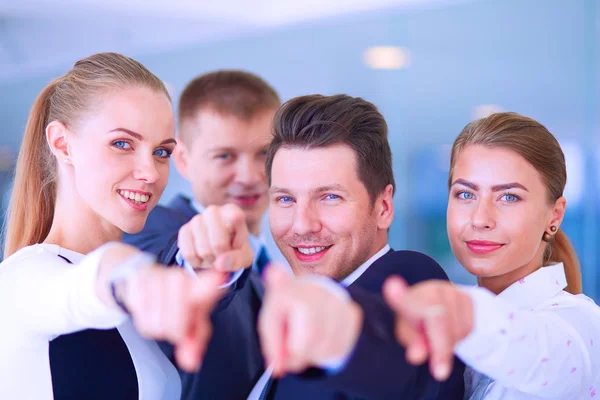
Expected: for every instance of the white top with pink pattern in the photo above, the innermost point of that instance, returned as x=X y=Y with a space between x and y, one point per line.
x=533 y=341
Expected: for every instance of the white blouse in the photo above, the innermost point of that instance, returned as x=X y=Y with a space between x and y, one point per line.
x=533 y=341
x=42 y=297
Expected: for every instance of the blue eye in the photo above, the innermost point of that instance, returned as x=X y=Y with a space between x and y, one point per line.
x=121 y=144
x=285 y=199
x=510 y=198
x=225 y=156
x=465 y=195
x=163 y=153
x=332 y=197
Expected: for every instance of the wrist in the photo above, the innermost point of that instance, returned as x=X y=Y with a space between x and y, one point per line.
x=122 y=275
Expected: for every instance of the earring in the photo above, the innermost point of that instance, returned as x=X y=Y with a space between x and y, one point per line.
x=66 y=160
x=547 y=237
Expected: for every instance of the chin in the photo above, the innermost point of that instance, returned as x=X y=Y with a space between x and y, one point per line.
x=480 y=268
x=132 y=228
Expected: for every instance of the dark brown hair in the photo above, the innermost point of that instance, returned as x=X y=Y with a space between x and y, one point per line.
x=318 y=121
x=532 y=141
x=228 y=92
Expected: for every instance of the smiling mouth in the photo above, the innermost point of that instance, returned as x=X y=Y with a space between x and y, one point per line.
x=311 y=250
x=135 y=197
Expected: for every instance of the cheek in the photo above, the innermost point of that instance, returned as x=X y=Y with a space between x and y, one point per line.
x=345 y=221
x=525 y=232
x=218 y=176
x=456 y=220
x=163 y=169
x=280 y=221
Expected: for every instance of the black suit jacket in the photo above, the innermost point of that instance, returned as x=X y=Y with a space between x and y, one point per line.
x=377 y=369
x=233 y=361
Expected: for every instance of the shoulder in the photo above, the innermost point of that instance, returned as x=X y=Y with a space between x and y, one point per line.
x=162 y=224
x=35 y=259
x=412 y=266
x=166 y=216
x=33 y=253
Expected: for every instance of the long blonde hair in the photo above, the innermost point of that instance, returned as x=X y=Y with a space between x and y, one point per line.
x=65 y=99
x=532 y=141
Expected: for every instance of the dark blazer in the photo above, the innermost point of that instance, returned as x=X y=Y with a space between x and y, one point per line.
x=233 y=361
x=162 y=224
x=377 y=369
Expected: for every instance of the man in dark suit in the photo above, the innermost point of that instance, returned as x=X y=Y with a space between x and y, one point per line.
x=224 y=132
x=328 y=334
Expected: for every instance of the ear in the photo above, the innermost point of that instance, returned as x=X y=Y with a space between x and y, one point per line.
x=57 y=139
x=180 y=158
x=384 y=208
x=557 y=214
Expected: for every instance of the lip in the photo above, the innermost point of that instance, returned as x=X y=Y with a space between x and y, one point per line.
x=483 y=246
x=307 y=258
x=133 y=204
x=246 y=200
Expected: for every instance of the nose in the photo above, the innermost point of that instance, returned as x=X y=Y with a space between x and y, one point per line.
x=306 y=219
x=250 y=172
x=483 y=217
x=145 y=169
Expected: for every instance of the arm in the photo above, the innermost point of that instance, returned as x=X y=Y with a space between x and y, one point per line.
x=55 y=298
x=308 y=323
x=547 y=352
x=52 y=298
x=377 y=365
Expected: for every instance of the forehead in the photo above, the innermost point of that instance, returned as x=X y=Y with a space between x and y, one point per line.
x=217 y=130
x=306 y=169
x=491 y=166
x=139 y=109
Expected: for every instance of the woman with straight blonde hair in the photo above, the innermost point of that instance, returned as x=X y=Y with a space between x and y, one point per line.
x=93 y=163
x=526 y=331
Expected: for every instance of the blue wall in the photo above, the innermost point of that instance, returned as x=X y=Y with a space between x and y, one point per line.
x=536 y=57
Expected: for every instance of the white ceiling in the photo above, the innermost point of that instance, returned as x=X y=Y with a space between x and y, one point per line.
x=41 y=35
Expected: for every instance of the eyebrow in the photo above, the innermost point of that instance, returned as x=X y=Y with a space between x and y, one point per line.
x=223 y=149
x=495 y=188
x=140 y=137
x=320 y=189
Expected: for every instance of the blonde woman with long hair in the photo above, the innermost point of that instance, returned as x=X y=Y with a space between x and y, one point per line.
x=93 y=163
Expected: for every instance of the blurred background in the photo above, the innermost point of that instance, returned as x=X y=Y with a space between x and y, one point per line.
x=431 y=66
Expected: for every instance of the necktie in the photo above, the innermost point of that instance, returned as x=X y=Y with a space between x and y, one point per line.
x=262 y=260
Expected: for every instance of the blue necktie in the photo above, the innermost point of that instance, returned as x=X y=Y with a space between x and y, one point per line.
x=262 y=260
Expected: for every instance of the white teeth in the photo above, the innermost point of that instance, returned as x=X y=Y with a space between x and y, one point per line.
x=310 y=250
x=137 y=197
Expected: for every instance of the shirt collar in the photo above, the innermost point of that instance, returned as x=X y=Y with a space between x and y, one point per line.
x=197 y=206
x=361 y=270
x=536 y=287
